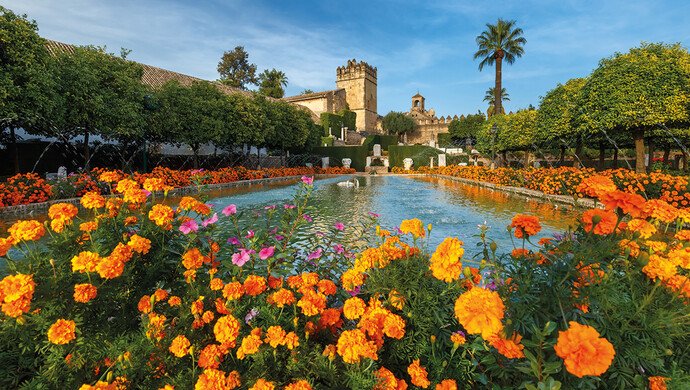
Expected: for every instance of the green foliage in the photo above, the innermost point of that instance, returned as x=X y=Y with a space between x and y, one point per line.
x=235 y=70
x=333 y=123
x=349 y=119
x=515 y=131
x=327 y=141
x=445 y=140
x=420 y=154
x=358 y=155
x=466 y=127
x=398 y=123
x=272 y=83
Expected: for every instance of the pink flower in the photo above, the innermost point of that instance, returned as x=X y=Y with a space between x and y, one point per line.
x=250 y=315
x=147 y=193
x=288 y=206
x=339 y=249
x=374 y=215
x=241 y=257
x=229 y=210
x=339 y=226
x=234 y=241
x=271 y=207
x=308 y=180
x=250 y=234
x=279 y=237
x=315 y=255
x=189 y=226
x=210 y=221
x=265 y=253
x=307 y=218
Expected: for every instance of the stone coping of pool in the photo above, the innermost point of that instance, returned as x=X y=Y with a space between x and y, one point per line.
x=32 y=208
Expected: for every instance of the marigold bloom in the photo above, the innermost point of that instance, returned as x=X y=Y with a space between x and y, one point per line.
x=88 y=227
x=329 y=351
x=100 y=385
x=396 y=299
x=162 y=215
x=418 y=375
x=299 y=385
x=281 y=298
x=660 y=210
x=160 y=294
x=457 y=338
x=659 y=267
x=153 y=184
x=92 y=200
x=447 y=384
x=583 y=351
x=62 y=211
x=600 y=222
x=275 y=336
x=211 y=356
x=445 y=262
x=631 y=247
x=326 y=287
x=596 y=185
x=26 y=231
x=354 y=308
x=139 y=244
x=110 y=267
x=641 y=226
x=631 y=204
x=109 y=176
x=312 y=302
x=386 y=380
x=180 y=346
x=254 y=285
x=16 y=292
x=291 y=340
x=657 y=383
x=480 y=311
x=126 y=184
x=193 y=259
x=353 y=346
x=233 y=291
x=85 y=262
x=5 y=245
x=250 y=345
x=414 y=227
x=352 y=279
x=394 y=326
x=683 y=235
x=263 y=384
x=508 y=347
x=213 y=379
x=85 y=292
x=525 y=225
x=144 y=305
x=226 y=329
x=62 y=332
x=174 y=301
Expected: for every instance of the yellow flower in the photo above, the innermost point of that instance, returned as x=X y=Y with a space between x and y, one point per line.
x=414 y=227
x=180 y=346
x=480 y=311
x=62 y=332
x=26 y=231
x=445 y=262
x=85 y=292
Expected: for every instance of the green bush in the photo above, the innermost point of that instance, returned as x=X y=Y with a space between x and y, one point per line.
x=358 y=155
x=420 y=154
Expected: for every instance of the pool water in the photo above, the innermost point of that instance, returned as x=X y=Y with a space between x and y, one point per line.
x=453 y=209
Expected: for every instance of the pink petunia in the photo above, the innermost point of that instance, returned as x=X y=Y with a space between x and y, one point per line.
x=339 y=249
x=250 y=234
x=307 y=218
x=265 y=253
x=234 y=241
x=288 y=206
x=229 y=210
x=240 y=258
x=210 y=221
x=308 y=180
x=271 y=207
x=189 y=226
x=315 y=255
x=339 y=226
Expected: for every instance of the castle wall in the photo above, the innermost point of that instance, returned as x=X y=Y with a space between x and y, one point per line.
x=359 y=82
x=424 y=132
x=319 y=102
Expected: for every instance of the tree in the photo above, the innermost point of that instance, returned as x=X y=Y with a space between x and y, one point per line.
x=25 y=88
x=306 y=92
x=498 y=42
x=490 y=97
x=633 y=93
x=556 y=116
x=511 y=132
x=466 y=127
x=235 y=70
x=398 y=123
x=195 y=115
x=272 y=83
x=99 y=93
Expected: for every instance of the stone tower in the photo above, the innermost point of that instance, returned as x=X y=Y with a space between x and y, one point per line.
x=417 y=103
x=358 y=79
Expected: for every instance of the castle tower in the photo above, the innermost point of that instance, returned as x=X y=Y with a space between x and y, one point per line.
x=358 y=79
x=417 y=103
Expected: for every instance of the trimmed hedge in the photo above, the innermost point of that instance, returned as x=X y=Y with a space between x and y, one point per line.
x=332 y=121
x=420 y=154
x=358 y=154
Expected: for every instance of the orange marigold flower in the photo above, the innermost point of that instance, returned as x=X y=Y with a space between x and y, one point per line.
x=193 y=259
x=583 y=351
x=162 y=215
x=250 y=345
x=100 y=385
x=447 y=384
x=213 y=379
x=641 y=226
x=480 y=311
x=233 y=291
x=131 y=220
x=5 y=245
x=85 y=262
x=352 y=279
x=226 y=329
x=457 y=338
x=291 y=340
x=525 y=225
x=144 y=305
x=659 y=267
x=281 y=298
x=445 y=262
x=160 y=294
x=84 y=292
x=174 y=301
x=197 y=307
x=396 y=299
x=216 y=284
x=211 y=356
x=660 y=210
x=418 y=375
x=329 y=351
x=109 y=176
x=354 y=308
x=657 y=383
x=679 y=284
x=386 y=380
x=274 y=282
x=326 y=287
x=630 y=247
x=394 y=326
x=683 y=235
x=62 y=211
x=508 y=347
x=92 y=200
x=16 y=292
x=263 y=384
x=26 y=231
x=596 y=185
x=275 y=336
x=152 y=184
x=414 y=227
x=312 y=302
x=353 y=346
x=180 y=346
x=62 y=332
x=88 y=227
x=631 y=204
x=254 y=285
x=600 y=222
x=110 y=267
x=299 y=385
x=139 y=244
x=126 y=184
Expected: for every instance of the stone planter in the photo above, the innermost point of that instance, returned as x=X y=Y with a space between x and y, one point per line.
x=378 y=169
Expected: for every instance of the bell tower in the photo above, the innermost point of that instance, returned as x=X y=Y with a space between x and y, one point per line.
x=417 y=103
x=358 y=79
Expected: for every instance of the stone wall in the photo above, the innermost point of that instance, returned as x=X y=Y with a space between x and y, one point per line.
x=319 y=102
x=359 y=80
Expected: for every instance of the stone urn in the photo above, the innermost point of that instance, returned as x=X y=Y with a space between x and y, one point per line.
x=346 y=162
x=407 y=163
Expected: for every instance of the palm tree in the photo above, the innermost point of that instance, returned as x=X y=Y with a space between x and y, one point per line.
x=272 y=83
x=490 y=98
x=498 y=42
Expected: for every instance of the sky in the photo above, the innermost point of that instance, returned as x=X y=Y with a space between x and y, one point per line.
x=417 y=46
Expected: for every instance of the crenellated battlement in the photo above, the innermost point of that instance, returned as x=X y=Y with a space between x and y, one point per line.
x=355 y=69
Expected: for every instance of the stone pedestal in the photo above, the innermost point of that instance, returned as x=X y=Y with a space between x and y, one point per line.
x=377 y=150
x=431 y=162
x=441 y=160
x=325 y=162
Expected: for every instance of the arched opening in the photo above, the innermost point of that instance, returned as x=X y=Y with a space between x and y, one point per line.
x=416 y=103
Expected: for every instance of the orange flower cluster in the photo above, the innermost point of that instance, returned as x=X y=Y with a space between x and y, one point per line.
x=62 y=332
x=480 y=311
x=525 y=225
x=445 y=262
x=583 y=351
x=418 y=375
x=16 y=292
x=24 y=188
x=414 y=227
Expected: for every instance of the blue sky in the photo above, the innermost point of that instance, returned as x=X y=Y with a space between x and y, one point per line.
x=424 y=46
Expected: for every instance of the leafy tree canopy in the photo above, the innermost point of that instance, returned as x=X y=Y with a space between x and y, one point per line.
x=466 y=126
x=272 y=83
x=557 y=111
x=235 y=70
x=398 y=123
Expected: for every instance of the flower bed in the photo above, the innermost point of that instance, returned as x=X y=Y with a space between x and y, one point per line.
x=143 y=295
x=565 y=180
x=31 y=188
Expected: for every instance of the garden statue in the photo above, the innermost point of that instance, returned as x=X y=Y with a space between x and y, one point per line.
x=346 y=162
x=325 y=162
x=62 y=172
x=407 y=163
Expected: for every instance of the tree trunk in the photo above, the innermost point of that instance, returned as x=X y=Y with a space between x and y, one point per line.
x=527 y=156
x=87 y=151
x=498 y=104
x=562 y=159
x=602 y=155
x=639 y=151
x=13 y=150
x=650 y=145
x=505 y=159
x=667 y=154
x=615 y=158
x=578 y=152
